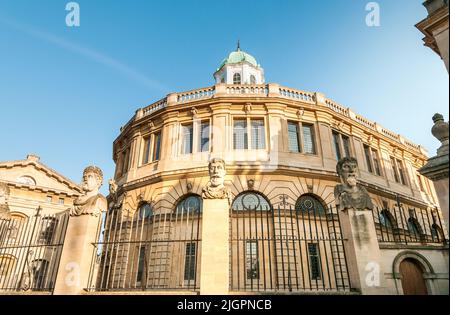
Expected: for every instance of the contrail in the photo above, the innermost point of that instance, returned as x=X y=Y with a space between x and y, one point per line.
x=86 y=52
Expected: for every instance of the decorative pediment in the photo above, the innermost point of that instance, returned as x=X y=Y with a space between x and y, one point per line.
x=32 y=174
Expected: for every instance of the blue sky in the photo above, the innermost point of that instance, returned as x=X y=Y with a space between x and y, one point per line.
x=65 y=92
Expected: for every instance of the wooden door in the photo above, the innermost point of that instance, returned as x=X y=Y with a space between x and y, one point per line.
x=413 y=282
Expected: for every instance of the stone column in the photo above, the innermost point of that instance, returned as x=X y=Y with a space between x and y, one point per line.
x=215 y=259
x=437 y=167
x=77 y=255
x=362 y=251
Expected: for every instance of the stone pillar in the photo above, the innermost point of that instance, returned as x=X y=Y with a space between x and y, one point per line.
x=362 y=251
x=215 y=259
x=77 y=255
x=437 y=167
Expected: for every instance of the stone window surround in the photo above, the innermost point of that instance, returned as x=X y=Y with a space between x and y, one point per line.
x=300 y=124
x=248 y=119
x=379 y=158
x=341 y=142
x=141 y=149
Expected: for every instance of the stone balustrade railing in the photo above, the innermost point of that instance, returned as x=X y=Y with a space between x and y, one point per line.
x=336 y=107
x=154 y=107
x=365 y=122
x=268 y=90
x=258 y=90
x=297 y=95
x=195 y=95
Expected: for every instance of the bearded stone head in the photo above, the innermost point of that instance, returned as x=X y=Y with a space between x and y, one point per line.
x=92 y=179
x=217 y=172
x=347 y=169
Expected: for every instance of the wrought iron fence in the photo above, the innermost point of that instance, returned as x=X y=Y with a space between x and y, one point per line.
x=30 y=251
x=408 y=226
x=287 y=249
x=143 y=250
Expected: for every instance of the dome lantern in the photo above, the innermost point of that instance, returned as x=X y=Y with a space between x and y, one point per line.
x=239 y=68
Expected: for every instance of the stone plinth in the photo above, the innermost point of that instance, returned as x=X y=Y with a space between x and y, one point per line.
x=215 y=261
x=362 y=251
x=77 y=255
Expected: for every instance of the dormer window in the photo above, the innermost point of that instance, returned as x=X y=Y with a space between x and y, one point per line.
x=237 y=78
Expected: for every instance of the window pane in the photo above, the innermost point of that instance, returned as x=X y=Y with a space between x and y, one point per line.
x=314 y=259
x=187 y=139
x=401 y=172
x=336 y=144
x=141 y=264
x=394 y=170
x=419 y=180
x=189 y=262
x=368 y=158
x=250 y=201
x=240 y=135
x=236 y=78
x=204 y=137
x=346 y=144
x=157 y=147
x=146 y=157
x=376 y=162
x=293 y=137
x=251 y=259
x=258 y=136
x=308 y=139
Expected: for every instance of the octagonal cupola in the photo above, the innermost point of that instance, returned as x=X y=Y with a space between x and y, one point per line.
x=239 y=68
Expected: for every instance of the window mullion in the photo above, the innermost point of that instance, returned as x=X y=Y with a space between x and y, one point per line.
x=249 y=135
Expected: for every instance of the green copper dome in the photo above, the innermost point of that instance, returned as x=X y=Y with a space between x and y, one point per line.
x=237 y=57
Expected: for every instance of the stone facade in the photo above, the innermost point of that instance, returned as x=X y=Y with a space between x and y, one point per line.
x=162 y=157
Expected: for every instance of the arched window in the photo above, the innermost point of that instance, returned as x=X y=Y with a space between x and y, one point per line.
x=414 y=227
x=237 y=78
x=145 y=211
x=190 y=204
x=252 y=79
x=386 y=219
x=310 y=205
x=436 y=233
x=251 y=200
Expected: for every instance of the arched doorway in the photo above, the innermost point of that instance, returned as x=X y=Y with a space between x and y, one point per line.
x=413 y=282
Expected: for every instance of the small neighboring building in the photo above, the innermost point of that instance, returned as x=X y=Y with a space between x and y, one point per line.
x=435 y=27
x=32 y=225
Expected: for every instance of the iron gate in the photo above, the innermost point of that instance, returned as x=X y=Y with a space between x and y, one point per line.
x=30 y=251
x=287 y=249
x=148 y=251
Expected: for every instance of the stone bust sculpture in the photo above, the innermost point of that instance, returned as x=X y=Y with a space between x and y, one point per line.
x=215 y=189
x=4 y=196
x=350 y=194
x=91 y=202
